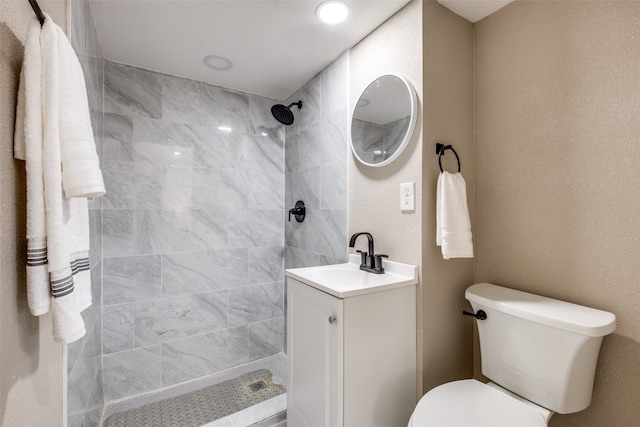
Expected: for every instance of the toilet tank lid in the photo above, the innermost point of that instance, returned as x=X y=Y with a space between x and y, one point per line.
x=547 y=311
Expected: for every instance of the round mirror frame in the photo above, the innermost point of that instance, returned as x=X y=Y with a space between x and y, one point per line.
x=407 y=135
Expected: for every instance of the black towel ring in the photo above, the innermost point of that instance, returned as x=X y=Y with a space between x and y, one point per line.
x=440 y=149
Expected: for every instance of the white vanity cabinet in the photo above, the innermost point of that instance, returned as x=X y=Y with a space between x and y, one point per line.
x=314 y=356
x=351 y=359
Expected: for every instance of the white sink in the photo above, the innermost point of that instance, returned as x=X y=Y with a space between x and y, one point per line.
x=345 y=280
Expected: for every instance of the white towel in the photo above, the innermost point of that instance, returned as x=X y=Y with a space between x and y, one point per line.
x=54 y=137
x=81 y=175
x=29 y=128
x=453 y=226
x=68 y=325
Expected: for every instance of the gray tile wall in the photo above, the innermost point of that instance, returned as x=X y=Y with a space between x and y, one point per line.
x=84 y=357
x=316 y=170
x=193 y=230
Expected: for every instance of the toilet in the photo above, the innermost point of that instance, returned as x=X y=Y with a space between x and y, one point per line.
x=539 y=354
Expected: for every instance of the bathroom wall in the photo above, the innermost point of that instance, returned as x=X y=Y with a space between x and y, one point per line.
x=374 y=193
x=558 y=124
x=433 y=49
x=85 y=398
x=316 y=170
x=193 y=230
x=448 y=118
x=30 y=361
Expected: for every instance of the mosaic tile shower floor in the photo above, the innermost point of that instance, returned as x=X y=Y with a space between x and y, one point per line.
x=267 y=413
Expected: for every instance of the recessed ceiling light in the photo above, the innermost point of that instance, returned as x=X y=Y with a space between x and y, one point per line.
x=225 y=128
x=217 y=62
x=332 y=12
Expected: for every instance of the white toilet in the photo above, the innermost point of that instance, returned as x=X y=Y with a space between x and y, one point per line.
x=539 y=353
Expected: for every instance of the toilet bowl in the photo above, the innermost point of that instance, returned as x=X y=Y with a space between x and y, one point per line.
x=472 y=403
x=539 y=353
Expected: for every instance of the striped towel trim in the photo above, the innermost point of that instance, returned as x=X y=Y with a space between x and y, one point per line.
x=61 y=282
x=62 y=285
x=36 y=252
x=79 y=265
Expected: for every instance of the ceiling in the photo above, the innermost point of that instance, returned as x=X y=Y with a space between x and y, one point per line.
x=474 y=10
x=276 y=46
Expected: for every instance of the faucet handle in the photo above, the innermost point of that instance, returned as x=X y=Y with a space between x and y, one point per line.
x=377 y=261
x=363 y=257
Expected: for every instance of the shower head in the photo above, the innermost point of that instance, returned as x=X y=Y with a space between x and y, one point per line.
x=283 y=114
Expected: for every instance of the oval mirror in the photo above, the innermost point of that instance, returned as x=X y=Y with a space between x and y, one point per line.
x=383 y=120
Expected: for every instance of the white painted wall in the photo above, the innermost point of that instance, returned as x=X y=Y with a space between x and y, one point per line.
x=374 y=193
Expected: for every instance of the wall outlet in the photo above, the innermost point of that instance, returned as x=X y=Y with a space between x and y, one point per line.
x=407 y=196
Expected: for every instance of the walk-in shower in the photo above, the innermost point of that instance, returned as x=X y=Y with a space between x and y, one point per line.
x=191 y=241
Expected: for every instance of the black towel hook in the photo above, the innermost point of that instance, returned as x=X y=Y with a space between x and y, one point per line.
x=36 y=9
x=440 y=149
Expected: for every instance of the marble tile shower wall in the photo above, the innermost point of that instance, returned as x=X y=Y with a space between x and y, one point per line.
x=85 y=398
x=316 y=170
x=193 y=230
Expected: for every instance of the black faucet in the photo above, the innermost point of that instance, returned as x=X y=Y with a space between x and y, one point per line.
x=368 y=261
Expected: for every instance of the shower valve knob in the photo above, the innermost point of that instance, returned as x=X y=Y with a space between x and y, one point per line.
x=299 y=211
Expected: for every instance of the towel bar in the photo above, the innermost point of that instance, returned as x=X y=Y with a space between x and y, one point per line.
x=440 y=149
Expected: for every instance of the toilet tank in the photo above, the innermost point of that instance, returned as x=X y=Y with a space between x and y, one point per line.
x=542 y=349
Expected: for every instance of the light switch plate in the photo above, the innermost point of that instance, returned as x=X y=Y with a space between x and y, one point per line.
x=407 y=196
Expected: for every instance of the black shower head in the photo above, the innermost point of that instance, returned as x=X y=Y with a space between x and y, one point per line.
x=283 y=113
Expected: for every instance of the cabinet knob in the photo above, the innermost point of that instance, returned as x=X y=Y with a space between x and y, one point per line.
x=332 y=320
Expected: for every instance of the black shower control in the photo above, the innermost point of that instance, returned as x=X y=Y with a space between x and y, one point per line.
x=299 y=211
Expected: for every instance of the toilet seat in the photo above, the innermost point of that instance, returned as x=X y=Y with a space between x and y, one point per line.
x=472 y=403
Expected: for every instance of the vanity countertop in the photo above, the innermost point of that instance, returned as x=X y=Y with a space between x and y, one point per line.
x=347 y=280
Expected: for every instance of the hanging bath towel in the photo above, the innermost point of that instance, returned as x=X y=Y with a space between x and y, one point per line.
x=453 y=226
x=54 y=137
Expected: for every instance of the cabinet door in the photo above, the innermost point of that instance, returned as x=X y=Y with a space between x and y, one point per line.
x=314 y=354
